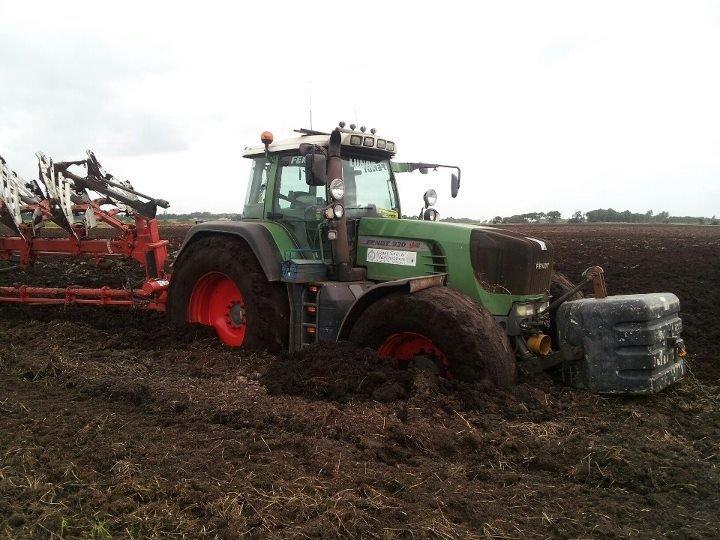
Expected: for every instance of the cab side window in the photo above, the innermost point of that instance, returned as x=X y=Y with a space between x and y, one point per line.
x=255 y=198
x=295 y=201
x=292 y=194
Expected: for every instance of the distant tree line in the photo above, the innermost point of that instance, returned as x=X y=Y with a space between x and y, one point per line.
x=613 y=216
x=594 y=216
x=553 y=216
x=202 y=216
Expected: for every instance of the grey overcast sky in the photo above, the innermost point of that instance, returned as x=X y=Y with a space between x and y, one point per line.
x=545 y=105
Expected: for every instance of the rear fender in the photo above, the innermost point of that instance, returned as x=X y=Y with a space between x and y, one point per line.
x=375 y=293
x=263 y=241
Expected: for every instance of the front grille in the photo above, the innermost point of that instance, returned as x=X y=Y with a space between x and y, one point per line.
x=510 y=263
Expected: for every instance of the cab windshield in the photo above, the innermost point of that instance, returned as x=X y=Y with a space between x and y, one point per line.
x=369 y=188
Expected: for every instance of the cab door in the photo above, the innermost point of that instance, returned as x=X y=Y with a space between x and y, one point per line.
x=296 y=205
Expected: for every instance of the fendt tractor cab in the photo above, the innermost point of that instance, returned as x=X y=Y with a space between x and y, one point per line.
x=321 y=254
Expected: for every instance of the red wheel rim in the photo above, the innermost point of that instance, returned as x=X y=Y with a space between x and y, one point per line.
x=216 y=301
x=404 y=346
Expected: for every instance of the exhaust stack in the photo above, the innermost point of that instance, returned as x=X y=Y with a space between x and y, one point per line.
x=343 y=270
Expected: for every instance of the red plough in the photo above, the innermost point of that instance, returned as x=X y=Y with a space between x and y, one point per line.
x=64 y=198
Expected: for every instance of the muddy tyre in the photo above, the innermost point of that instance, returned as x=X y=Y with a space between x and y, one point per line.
x=559 y=285
x=217 y=281
x=461 y=336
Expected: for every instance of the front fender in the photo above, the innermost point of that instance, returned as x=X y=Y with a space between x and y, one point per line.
x=376 y=292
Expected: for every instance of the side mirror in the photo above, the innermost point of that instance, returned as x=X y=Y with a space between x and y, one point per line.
x=315 y=168
x=454 y=184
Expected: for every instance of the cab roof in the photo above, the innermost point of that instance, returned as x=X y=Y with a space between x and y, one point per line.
x=365 y=142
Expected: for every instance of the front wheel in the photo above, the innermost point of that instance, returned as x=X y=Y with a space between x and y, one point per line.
x=440 y=328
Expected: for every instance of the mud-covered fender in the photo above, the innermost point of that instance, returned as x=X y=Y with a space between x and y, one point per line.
x=376 y=292
x=257 y=235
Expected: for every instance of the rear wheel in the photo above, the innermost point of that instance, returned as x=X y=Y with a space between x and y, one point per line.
x=216 y=301
x=218 y=282
x=441 y=329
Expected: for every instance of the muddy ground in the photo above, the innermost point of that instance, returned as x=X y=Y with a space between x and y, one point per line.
x=112 y=424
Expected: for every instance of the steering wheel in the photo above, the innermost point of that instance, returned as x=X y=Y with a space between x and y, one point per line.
x=285 y=198
x=312 y=211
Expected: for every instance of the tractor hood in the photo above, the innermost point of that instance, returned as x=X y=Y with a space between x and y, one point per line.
x=496 y=266
x=509 y=262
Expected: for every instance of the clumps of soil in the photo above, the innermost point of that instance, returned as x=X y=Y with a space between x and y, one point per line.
x=343 y=372
x=114 y=424
x=134 y=393
x=338 y=373
x=429 y=390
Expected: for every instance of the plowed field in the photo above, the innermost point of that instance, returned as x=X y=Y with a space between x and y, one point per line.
x=112 y=424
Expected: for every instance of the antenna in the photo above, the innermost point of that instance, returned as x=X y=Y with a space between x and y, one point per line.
x=310 y=102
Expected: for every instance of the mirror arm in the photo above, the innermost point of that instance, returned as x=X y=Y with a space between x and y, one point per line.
x=411 y=166
x=415 y=166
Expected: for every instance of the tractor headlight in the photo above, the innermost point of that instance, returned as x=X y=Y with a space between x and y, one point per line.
x=337 y=189
x=524 y=310
x=530 y=310
x=334 y=211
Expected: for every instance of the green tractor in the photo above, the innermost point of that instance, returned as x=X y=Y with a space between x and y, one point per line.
x=321 y=254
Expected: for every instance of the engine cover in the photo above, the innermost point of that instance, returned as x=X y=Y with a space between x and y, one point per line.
x=507 y=262
x=631 y=343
